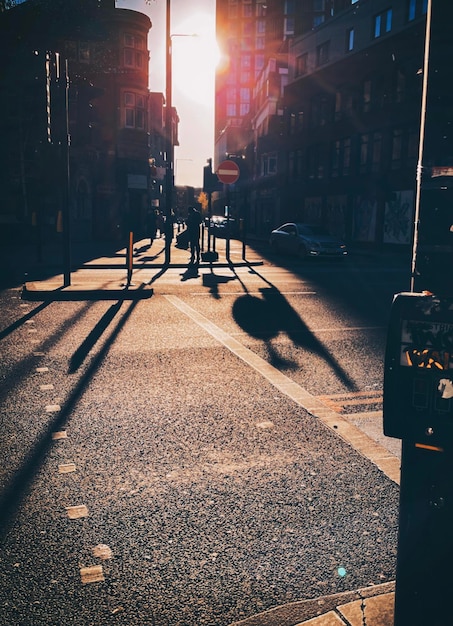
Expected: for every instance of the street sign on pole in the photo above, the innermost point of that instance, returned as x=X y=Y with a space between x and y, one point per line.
x=228 y=172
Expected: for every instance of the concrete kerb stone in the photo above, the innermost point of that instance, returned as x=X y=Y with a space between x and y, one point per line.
x=346 y=608
x=53 y=289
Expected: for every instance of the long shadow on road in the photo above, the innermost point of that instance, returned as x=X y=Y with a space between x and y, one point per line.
x=265 y=317
x=14 y=493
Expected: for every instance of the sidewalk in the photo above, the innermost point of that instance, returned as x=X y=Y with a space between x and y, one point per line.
x=103 y=274
x=371 y=606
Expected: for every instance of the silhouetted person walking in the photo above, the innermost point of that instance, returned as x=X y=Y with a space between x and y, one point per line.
x=152 y=225
x=194 y=220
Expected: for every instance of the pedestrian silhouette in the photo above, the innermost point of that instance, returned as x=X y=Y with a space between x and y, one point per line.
x=194 y=220
x=152 y=225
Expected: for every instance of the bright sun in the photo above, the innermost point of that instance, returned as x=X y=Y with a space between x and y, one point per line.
x=195 y=58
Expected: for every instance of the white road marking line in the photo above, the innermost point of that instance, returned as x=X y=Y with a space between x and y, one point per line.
x=387 y=462
x=92 y=574
x=77 y=512
x=60 y=434
x=53 y=408
x=66 y=468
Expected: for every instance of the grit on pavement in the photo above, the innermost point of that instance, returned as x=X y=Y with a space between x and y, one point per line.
x=158 y=471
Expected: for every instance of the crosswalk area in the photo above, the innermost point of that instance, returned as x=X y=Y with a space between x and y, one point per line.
x=363 y=409
x=369 y=402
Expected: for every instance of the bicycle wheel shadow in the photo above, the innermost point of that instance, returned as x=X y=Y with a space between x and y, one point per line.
x=267 y=316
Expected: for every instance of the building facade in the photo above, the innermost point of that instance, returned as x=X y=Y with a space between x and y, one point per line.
x=333 y=127
x=79 y=69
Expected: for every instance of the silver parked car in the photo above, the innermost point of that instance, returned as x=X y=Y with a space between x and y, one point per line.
x=306 y=240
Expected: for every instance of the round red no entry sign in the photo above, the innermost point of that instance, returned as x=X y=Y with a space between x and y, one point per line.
x=228 y=172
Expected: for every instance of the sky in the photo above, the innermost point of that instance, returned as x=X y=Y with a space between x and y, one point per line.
x=194 y=59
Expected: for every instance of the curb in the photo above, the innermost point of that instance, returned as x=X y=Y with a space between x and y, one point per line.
x=32 y=293
x=372 y=606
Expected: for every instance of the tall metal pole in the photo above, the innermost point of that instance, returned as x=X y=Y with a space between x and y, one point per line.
x=421 y=144
x=67 y=182
x=169 y=139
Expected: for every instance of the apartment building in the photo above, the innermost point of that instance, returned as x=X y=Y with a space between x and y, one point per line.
x=333 y=125
x=116 y=126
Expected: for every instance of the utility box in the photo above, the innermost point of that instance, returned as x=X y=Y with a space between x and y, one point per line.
x=418 y=375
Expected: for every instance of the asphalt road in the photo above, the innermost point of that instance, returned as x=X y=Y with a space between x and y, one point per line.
x=155 y=469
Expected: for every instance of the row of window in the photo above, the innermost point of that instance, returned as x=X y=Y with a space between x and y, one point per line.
x=134 y=52
x=324 y=109
x=382 y=25
x=359 y=155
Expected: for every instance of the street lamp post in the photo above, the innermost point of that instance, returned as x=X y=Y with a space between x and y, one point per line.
x=169 y=149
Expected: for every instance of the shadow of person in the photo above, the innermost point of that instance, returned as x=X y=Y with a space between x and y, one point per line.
x=191 y=272
x=212 y=281
x=267 y=316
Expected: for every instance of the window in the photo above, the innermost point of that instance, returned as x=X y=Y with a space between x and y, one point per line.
x=349 y=40
x=366 y=96
x=412 y=145
x=261 y=7
x=134 y=51
x=134 y=110
x=291 y=165
x=335 y=165
x=315 y=162
x=231 y=110
x=301 y=64
x=268 y=164
x=411 y=6
x=247 y=10
x=288 y=26
x=338 y=105
x=260 y=43
x=364 y=144
x=376 y=152
x=382 y=23
x=244 y=108
x=300 y=120
x=260 y=26
x=322 y=53
x=346 y=156
x=259 y=61
x=397 y=142
x=321 y=110
x=245 y=94
x=400 y=88
x=347 y=103
x=318 y=20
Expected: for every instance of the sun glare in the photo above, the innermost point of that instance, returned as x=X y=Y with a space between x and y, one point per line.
x=195 y=58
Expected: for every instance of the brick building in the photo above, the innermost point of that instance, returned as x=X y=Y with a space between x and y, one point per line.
x=115 y=125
